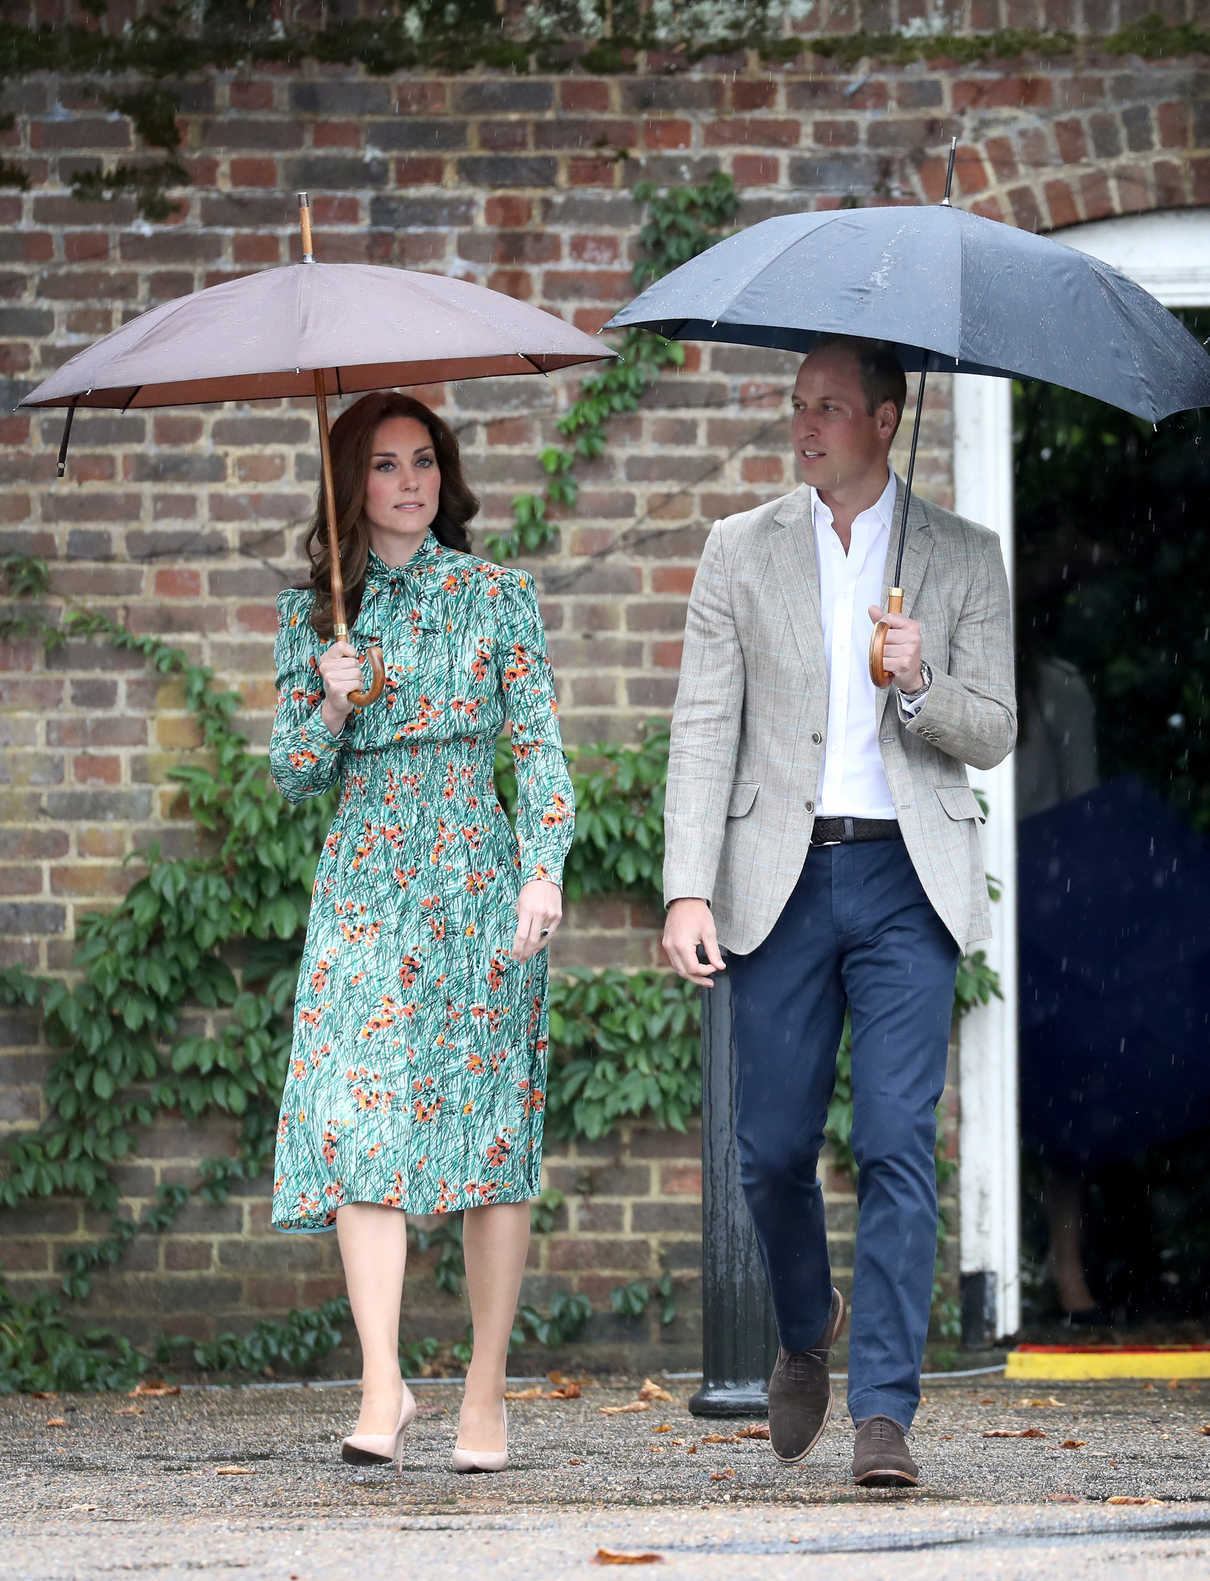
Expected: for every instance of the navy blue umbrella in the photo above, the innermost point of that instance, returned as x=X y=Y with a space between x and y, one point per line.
x=952 y=292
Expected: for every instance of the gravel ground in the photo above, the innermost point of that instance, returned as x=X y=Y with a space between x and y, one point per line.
x=113 y=1492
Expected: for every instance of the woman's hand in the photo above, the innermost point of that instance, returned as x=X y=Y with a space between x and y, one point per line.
x=340 y=670
x=539 y=912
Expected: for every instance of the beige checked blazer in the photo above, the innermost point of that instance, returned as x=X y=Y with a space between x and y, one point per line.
x=751 y=715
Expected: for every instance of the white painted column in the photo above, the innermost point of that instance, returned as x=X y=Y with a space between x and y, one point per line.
x=989 y=1162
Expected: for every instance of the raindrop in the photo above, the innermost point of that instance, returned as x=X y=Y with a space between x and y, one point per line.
x=1176 y=721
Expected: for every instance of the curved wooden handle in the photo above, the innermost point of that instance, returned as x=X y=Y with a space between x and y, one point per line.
x=878 y=675
x=378 y=679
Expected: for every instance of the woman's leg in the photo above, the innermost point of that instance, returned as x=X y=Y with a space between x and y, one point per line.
x=495 y=1242
x=373 y=1248
x=1064 y=1198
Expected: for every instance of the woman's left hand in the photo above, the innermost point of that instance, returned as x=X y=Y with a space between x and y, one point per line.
x=539 y=912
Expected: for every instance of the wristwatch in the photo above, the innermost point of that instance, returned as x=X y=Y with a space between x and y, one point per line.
x=926 y=672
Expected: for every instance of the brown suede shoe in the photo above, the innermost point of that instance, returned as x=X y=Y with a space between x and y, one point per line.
x=800 y=1395
x=880 y=1455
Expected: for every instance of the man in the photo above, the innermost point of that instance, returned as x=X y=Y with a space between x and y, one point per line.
x=823 y=834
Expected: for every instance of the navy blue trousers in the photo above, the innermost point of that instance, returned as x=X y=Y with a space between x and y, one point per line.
x=859 y=931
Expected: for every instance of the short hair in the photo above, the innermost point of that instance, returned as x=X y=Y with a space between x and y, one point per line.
x=881 y=372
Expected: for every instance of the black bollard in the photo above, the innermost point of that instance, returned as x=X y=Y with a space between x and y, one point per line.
x=739 y=1337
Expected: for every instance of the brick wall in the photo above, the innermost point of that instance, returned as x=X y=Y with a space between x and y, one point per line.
x=187 y=522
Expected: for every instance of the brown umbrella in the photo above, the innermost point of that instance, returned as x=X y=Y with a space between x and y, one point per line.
x=314 y=329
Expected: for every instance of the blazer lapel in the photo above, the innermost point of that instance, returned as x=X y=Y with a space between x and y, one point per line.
x=917 y=551
x=792 y=554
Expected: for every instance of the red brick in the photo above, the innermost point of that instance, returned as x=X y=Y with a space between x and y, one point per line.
x=1026 y=212
x=763 y=133
x=420 y=97
x=598 y=249
x=256 y=95
x=1169 y=180
x=756 y=170
x=596 y=171
x=336 y=134
x=256 y=250
x=672 y=579
x=506 y=211
x=326 y=210
x=667 y=134
x=750 y=94
x=1172 y=121
x=1199 y=170
x=762 y=469
x=1062 y=204
x=667 y=654
x=513 y=282
x=1003 y=158
x=178 y=582
x=420 y=171
x=254 y=173
x=580 y=94
x=171 y=428
x=39 y=247
x=1095 y=197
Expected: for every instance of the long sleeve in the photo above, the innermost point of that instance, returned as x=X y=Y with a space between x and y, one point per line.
x=304 y=755
x=971 y=711
x=706 y=723
x=545 y=815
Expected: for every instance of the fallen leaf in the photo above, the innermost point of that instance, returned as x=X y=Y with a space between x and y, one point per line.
x=524 y=1394
x=720 y=1438
x=691 y=1450
x=130 y=1410
x=56 y=1421
x=1205 y=1430
x=722 y=1476
x=1050 y=1400
x=155 y=1386
x=566 y=1391
x=1014 y=1432
x=1174 y=1383
x=614 y=1556
x=1129 y=1498
x=233 y=1471
x=624 y=1410
x=987 y=1400
x=559 y=1381
x=946 y=1438
x=1073 y=1443
x=656 y=1449
x=664 y=1427
x=1062 y=1498
x=83 y=1508
x=754 y=1430
x=45 y=1394
x=575 y=1461
x=652 y=1391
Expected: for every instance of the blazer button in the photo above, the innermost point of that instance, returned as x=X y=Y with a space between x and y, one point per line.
x=809 y=805
x=816 y=737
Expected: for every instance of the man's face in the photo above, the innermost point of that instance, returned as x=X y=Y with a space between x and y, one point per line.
x=839 y=447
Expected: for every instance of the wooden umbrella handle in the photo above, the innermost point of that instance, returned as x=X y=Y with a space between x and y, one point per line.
x=894 y=604
x=378 y=678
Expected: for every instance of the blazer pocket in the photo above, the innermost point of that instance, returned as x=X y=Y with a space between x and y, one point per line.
x=959 y=801
x=742 y=797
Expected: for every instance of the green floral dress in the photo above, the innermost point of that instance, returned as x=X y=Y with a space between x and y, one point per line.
x=418 y=1070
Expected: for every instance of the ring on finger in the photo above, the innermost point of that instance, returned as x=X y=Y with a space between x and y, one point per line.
x=543 y=933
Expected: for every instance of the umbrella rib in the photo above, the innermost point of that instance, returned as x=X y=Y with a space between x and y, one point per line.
x=127 y=403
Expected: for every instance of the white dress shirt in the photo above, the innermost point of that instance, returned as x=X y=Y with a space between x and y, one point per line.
x=852 y=781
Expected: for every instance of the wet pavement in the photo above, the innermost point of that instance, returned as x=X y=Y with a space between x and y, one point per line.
x=248 y=1482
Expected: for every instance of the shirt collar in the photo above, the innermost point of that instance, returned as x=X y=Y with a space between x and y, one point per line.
x=379 y=572
x=878 y=516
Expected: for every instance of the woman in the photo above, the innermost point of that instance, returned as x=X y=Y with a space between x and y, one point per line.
x=417 y=1074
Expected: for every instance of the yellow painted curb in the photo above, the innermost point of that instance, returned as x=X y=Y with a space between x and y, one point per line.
x=1107 y=1363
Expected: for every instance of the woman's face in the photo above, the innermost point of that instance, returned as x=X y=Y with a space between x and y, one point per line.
x=403 y=486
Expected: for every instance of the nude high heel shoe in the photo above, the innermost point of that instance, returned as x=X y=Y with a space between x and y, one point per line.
x=377 y=1449
x=482 y=1459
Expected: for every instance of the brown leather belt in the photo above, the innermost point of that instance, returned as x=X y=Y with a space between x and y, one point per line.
x=839 y=831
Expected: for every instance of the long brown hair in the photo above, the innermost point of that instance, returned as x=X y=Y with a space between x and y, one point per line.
x=352 y=442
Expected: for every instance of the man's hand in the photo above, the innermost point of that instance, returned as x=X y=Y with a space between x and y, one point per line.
x=688 y=924
x=901 y=651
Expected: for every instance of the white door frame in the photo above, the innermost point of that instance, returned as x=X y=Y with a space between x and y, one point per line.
x=1169 y=254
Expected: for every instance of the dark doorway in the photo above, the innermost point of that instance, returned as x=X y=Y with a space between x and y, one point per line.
x=1113 y=779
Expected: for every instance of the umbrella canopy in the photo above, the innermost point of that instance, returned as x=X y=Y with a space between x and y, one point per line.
x=1114 y=987
x=364 y=326
x=318 y=330
x=951 y=291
